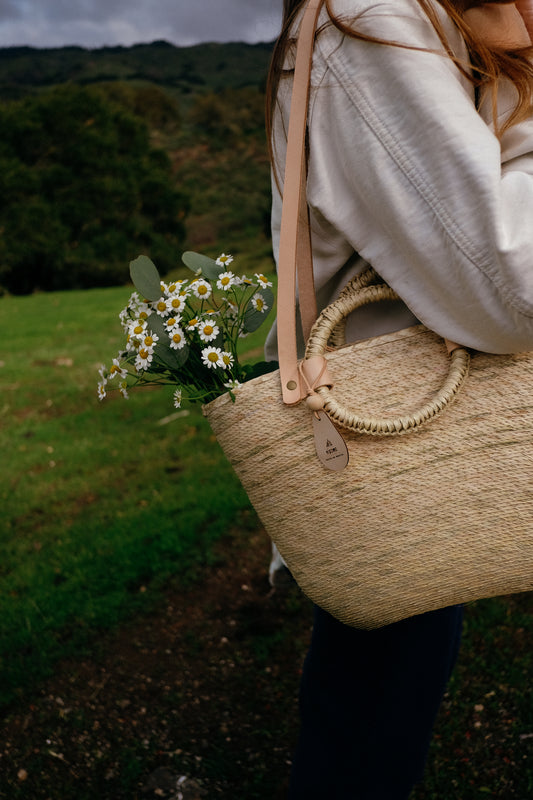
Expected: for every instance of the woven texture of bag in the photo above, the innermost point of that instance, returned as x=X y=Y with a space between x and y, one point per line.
x=415 y=522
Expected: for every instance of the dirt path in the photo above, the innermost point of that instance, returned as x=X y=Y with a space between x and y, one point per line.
x=196 y=701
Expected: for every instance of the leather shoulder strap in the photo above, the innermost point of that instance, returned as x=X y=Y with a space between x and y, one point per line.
x=295 y=239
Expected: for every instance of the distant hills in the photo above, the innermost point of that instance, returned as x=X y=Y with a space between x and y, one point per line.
x=209 y=67
x=200 y=108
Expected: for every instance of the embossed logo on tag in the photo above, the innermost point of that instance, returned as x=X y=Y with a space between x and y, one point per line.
x=330 y=446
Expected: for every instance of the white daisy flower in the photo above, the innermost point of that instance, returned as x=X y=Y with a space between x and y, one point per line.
x=212 y=357
x=201 y=288
x=233 y=384
x=258 y=302
x=262 y=281
x=226 y=280
x=101 y=390
x=227 y=359
x=151 y=340
x=177 y=338
x=192 y=323
x=137 y=327
x=171 y=288
x=208 y=331
x=116 y=369
x=123 y=389
x=177 y=398
x=175 y=303
x=171 y=322
x=144 y=358
x=223 y=260
x=161 y=307
x=132 y=343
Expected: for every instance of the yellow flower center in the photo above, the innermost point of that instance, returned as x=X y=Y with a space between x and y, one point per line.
x=202 y=289
x=212 y=357
x=226 y=359
x=171 y=322
x=259 y=304
x=208 y=330
x=144 y=353
x=192 y=323
x=138 y=329
x=143 y=315
x=176 y=303
x=225 y=280
x=161 y=306
x=148 y=341
x=177 y=338
x=114 y=369
x=172 y=287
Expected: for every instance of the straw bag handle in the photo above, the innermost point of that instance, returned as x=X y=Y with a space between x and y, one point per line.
x=359 y=292
x=295 y=255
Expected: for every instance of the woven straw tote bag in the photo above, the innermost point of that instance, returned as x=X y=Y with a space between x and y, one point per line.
x=435 y=505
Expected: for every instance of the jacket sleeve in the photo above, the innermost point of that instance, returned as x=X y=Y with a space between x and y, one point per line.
x=405 y=169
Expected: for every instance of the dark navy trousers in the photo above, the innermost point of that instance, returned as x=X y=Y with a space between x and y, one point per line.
x=368 y=703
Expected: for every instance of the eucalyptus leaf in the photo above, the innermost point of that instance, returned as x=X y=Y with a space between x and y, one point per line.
x=173 y=359
x=208 y=266
x=253 y=318
x=146 y=278
x=156 y=325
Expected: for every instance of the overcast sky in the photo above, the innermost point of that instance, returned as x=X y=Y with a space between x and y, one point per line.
x=95 y=23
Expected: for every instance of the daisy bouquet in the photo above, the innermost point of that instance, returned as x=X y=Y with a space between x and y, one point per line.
x=186 y=332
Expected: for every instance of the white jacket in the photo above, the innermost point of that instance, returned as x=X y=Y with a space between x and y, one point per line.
x=406 y=174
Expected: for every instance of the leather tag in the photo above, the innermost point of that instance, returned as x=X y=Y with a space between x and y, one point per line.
x=330 y=446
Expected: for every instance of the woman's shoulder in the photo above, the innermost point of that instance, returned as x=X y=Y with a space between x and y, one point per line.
x=365 y=15
x=390 y=7
x=403 y=22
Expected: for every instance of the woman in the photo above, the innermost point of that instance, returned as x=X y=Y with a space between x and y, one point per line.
x=420 y=162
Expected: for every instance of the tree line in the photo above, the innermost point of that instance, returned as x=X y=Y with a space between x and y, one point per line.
x=91 y=176
x=83 y=191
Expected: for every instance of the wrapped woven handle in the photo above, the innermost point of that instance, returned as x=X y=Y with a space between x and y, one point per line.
x=359 y=292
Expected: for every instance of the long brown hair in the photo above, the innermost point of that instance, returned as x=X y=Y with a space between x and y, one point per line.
x=490 y=64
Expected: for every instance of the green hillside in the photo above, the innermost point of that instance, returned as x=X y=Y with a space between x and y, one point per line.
x=206 y=67
x=201 y=111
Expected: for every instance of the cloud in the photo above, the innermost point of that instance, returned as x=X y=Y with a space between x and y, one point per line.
x=94 y=23
x=9 y=9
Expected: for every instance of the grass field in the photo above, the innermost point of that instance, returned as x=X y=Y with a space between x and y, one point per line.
x=101 y=502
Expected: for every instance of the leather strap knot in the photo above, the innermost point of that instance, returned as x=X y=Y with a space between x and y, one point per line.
x=314 y=373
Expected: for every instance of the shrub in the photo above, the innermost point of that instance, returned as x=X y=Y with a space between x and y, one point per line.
x=83 y=192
